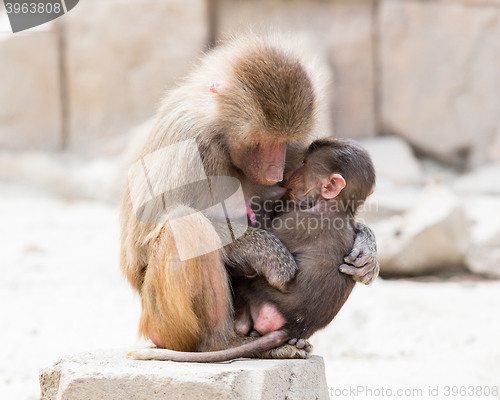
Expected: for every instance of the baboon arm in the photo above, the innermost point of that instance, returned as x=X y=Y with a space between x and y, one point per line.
x=362 y=262
x=259 y=252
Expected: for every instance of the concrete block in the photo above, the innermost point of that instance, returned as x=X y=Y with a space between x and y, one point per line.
x=109 y=374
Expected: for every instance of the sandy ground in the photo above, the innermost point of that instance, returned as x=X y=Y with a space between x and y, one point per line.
x=61 y=292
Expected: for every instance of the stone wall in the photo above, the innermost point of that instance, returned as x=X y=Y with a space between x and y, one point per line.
x=339 y=35
x=97 y=72
x=427 y=71
x=120 y=56
x=30 y=93
x=440 y=77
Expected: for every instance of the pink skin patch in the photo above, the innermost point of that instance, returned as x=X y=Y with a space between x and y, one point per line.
x=216 y=87
x=269 y=320
x=156 y=341
x=251 y=215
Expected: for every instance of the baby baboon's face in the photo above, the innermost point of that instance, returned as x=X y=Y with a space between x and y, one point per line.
x=302 y=184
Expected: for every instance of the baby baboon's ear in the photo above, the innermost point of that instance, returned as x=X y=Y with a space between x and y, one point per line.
x=332 y=186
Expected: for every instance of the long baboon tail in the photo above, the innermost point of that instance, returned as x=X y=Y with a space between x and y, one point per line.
x=266 y=342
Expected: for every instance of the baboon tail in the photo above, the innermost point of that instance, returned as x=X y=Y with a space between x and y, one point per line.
x=266 y=342
x=186 y=300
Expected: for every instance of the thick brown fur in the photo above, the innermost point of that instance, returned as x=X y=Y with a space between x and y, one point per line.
x=323 y=231
x=268 y=97
x=168 y=280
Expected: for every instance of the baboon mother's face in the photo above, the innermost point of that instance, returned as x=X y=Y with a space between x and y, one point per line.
x=262 y=160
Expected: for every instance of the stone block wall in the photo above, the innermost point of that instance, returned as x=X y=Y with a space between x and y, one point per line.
x=339 y=35
x=427 y=71
x=120 y=57
x=440 y=77
x=30 y=93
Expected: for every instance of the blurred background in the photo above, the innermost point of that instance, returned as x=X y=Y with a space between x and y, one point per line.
x=416 y=82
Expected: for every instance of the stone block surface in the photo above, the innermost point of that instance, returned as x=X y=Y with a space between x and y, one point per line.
x=120 y=58
x=109 y=374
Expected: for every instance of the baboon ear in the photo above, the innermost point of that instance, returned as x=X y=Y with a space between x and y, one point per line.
x=217 y=87
x=332 y=186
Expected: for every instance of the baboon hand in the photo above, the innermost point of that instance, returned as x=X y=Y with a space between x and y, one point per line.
x=362 y=263
x=365 y=275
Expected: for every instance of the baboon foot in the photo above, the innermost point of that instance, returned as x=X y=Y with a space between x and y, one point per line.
x=295 y=348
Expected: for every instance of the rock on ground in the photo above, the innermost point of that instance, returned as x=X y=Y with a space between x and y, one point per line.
x=431 y=237
x=389 y=200
x=110 y=375
x=484 y=180
x=494 y=153
x=483 y=253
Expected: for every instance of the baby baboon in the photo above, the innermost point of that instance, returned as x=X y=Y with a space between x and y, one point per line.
x=316 y=223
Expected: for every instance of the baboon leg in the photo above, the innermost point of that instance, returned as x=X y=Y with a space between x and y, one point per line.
x=242 y=321
x=259 y=252
x=186 y=304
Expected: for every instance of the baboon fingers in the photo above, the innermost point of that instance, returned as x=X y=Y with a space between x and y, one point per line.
x=360 y=268
x=351 y=257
